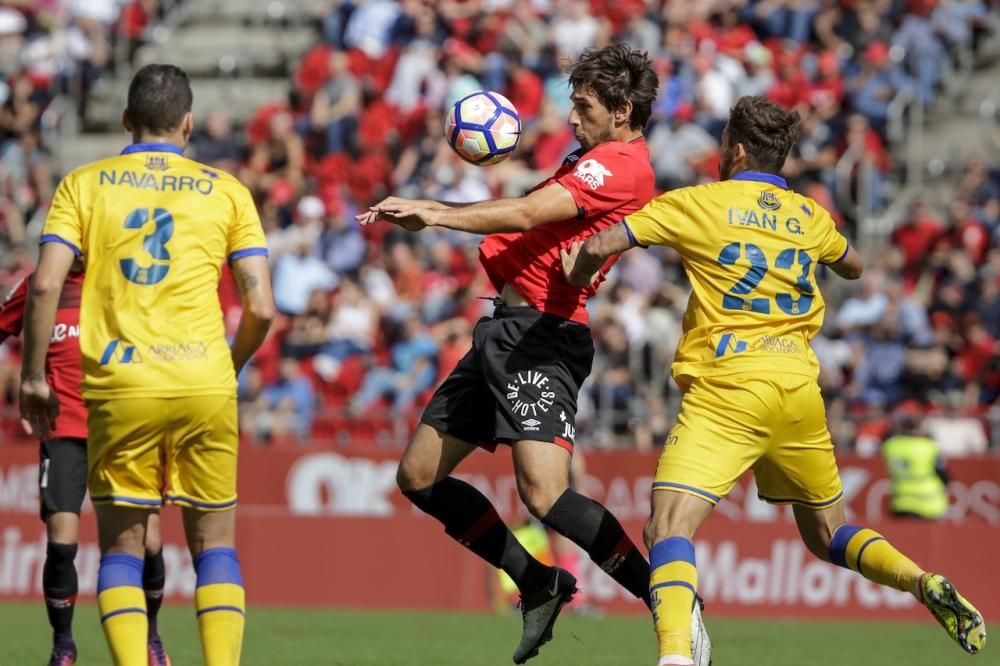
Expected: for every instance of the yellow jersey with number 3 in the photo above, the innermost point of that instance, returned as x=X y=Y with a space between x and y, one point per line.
x=750 y=247
x=154 y=228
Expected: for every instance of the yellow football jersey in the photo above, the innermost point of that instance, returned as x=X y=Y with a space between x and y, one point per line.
x=154 y=228
x=750 y=247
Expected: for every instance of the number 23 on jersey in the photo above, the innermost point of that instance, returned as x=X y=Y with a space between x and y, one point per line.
x=740 y=296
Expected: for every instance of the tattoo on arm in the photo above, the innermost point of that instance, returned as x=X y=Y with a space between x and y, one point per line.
x=35 y=377
x=245 y=280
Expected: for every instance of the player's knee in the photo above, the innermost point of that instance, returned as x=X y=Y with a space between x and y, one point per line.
x=539 y=498
x=411 y=477
x=817 y=540
x=154 y=543
x=649 y=534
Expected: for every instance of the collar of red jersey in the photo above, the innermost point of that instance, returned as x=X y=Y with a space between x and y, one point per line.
x=152 y=148
x=761 y=177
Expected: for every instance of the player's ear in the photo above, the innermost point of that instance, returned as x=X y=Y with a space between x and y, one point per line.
x=623 y=116
x=739 y=153
x=187 y=125
x=125 y=121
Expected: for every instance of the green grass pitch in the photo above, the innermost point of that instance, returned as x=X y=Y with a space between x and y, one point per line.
x=286 y=637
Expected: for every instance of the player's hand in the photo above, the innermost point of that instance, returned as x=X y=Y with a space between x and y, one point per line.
x=569 y=258
x=390 y=209
x=39 y=407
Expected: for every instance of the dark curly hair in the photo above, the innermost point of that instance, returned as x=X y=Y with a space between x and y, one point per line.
x=767 y=131
x=617 y=74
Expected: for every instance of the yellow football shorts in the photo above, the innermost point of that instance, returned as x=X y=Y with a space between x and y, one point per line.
x=143 y=452
x=775 y=426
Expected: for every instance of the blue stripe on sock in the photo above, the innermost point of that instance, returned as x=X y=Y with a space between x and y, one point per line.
x=669 y=550
x=119 y=570
x=122 y=610
x=674 y=583
x=211 y=609
x=218 y=565
x=838 y=544
x=862 y=550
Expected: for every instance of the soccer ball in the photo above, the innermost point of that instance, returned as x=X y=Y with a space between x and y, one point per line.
x=483 y=128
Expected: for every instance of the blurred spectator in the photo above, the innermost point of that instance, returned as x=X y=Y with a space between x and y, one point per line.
x=876 y=84
x=299 y=272
x=916 y=470
x=216 y=143
x=411 y=371
x=337 y=105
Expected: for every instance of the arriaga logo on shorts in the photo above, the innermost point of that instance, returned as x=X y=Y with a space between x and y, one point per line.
x=529 y=395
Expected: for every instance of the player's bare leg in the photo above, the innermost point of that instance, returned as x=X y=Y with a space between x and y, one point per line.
x=542 y=472
x=828 y=536
x=59 y=581
x=673 y=582
x=153 y=579
x=120 y=597
x=220 y=601
x=467 y=515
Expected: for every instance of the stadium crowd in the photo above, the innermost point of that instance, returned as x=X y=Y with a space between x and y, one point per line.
x=376 y=316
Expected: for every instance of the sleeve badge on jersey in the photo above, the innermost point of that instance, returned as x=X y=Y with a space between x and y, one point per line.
x=592 y=173
x=768 y=201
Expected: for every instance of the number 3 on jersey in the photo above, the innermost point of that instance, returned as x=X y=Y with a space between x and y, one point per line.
x=155 y=244
x=759 y=267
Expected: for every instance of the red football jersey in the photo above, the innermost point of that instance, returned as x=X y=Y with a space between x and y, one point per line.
x=608 y=182
x=62 y=365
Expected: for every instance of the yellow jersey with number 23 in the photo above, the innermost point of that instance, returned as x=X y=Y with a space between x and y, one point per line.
x=750 y=247
x=154 y=228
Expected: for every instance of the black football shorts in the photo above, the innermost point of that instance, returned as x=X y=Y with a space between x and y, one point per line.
x=518 y=382
x=62 y=475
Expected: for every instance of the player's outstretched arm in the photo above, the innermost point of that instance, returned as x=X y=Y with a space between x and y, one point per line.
x=851 y=266
x=583 y=260
x=253 y=278
x=39 y=405
x=552 y=203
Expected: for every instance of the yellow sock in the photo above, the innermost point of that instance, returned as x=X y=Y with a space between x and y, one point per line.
x=867 y=552
x=122 y=603
x=673 y=584
x=221 y=605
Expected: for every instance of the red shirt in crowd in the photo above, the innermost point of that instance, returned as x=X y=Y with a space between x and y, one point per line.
x=62 y=365
x=608 y=182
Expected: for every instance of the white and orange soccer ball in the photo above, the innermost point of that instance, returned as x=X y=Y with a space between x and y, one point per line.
x=483 y=128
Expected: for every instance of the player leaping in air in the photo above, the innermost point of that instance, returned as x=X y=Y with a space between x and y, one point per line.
x=518 y=385
x=159 y=378
x=62 y=476
x=750 y=247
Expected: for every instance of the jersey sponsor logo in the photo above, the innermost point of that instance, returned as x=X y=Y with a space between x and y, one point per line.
x=180 y=351
x=157 y=163
x=61 y=332
x=160 y=183
x=592 y=173
x=728 y=343
x=529 y=394
x=768 y=201
x=118 y=352
x=776 y=345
